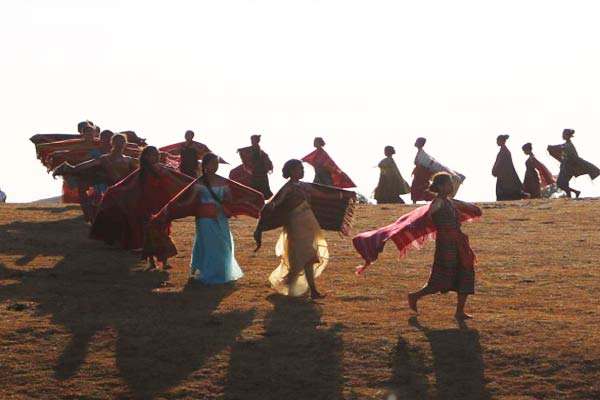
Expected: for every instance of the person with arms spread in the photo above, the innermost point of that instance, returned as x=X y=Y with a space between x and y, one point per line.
x=453 y=265
x=302 y=245
x=326 y=170
x=189 y=152
x=213 y=256
x=391 y=183
x=256 y=165
x=127 y=207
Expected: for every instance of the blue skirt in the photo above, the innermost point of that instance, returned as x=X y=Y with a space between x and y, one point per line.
x=213 y=260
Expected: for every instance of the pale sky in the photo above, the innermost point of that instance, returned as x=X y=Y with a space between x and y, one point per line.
x=360 y=74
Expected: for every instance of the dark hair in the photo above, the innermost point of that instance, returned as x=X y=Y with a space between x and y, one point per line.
x=208 y=157
x=82 y=125
x=88 y=128
x=106 y=132
x=389 y=148
x=320 y=141
x=438 y=180
x=289 y=166
x=502 y=138
x=569 y=132
x=527 y=146
x=422 y=140
x=145 y=167
x=118 y=135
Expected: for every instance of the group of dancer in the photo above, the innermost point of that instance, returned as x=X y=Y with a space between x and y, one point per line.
x=131 y=192
x=537 y=176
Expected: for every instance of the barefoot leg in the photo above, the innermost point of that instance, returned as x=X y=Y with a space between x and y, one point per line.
x=461 y=300
x=413 y=297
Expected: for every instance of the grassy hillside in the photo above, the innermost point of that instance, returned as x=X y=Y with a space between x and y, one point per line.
x=81 y=320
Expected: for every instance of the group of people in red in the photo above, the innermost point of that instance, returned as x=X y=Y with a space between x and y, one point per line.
x=131 y=192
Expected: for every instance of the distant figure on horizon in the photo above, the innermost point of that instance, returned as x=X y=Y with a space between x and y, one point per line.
x=425 y=167
x=571 y=165
x=537 y=176
x=326 y=170
x=2 y=196
x=301 y=245
x=256 y=165
x=391 y=183
x=508 y=184
x=189 y=152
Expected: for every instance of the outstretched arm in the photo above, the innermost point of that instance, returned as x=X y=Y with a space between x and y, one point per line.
x=467 y=207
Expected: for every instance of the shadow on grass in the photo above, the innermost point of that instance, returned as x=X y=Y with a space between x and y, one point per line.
x=457 y=364
x=296 y=359
x=51 y=210
x=162 y=337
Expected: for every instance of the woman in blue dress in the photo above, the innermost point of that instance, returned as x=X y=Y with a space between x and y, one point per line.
x=213 y=261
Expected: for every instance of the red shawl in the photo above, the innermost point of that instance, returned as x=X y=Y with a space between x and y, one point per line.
x=174 y=148
x=546 y=177
x=410 y=230
x=320 y=158
x=127 y=206
x=52 y=137
x=245 y=201
x=44 y=150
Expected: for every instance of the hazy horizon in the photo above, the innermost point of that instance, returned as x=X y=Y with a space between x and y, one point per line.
x=360 y=75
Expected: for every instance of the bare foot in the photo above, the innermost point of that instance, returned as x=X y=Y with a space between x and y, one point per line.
x=317 y=295
x=151 y=266
x=463 y=316
x=412 y=302
x=577 y=193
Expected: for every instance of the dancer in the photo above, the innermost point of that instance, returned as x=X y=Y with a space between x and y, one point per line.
x=189 y=152
x=537 y=176
x=454 y=260
x=256 y=165
x=127 y=207
x=425 y=167
x=571 y=165
x=508 y=184
x=213 y=256
x=391 y=183
x=301 y=245
x=114 y=166
x=326 y=170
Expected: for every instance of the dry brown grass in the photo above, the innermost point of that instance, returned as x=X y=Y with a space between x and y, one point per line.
x=81 y=320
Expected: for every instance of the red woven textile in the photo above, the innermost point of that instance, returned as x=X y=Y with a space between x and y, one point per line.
x=411 y=230
x=320 y=158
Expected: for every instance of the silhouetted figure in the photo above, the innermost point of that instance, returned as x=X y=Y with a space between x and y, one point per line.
x=391 y=183
x=508 y=184
x=537 y=176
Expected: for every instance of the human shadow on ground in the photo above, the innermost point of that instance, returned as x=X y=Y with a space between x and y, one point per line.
x=161 y=337
x=51 y=210
x=457 y=364
x=296 y=358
